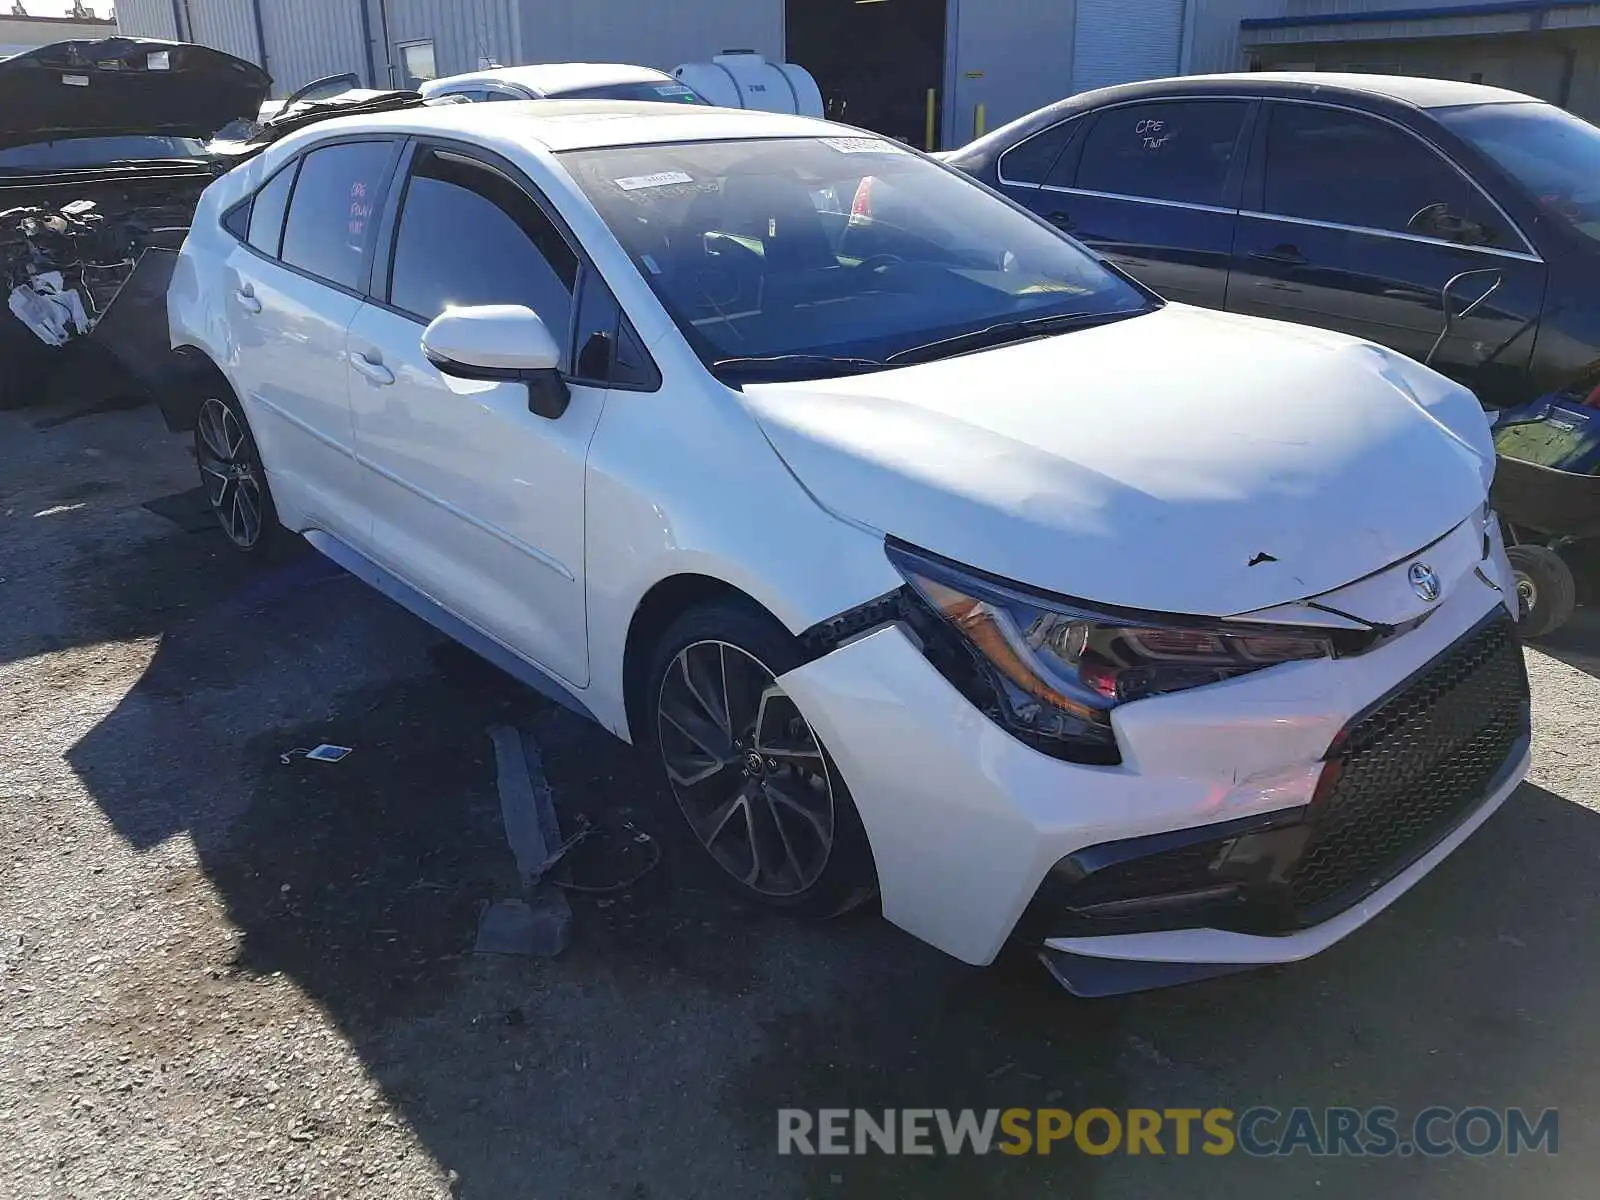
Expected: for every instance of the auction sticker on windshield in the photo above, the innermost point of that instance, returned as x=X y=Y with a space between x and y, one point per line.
x=861 y=145
x=636 y=183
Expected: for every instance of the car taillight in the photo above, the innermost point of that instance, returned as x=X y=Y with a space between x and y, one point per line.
x=1592 y=400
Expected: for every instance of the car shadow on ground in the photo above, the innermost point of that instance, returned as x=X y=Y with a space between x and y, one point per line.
x=652 y=1057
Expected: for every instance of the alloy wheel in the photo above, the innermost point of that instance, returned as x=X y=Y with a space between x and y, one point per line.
x=746 y=769
x=230 y=473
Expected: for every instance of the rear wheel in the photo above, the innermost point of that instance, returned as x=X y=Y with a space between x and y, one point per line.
x=1547 y=593
x=234 y=479
x=756 y=788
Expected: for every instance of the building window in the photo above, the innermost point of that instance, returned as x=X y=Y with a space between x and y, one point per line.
x=417 y=65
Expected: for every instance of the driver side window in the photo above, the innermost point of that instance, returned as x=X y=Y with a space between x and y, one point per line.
x=470 y=235
x=1327 y=164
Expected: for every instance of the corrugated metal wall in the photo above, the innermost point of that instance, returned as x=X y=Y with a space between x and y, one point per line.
x=1214 y=32
x=1117 y=42
x=1584 y=97
x=464 y=33
x=225 y=24
x=148 y=18
x=1011 y=56
x=308 y=39
x=651 y=32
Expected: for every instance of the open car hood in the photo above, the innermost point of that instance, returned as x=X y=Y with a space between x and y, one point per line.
x=125 y=86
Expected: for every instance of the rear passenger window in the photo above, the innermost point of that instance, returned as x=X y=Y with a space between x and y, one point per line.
x=469 y=235
x=266 y=214
x=1031 y=161
x=1181 y=150
x=331 y=218
x=1326 y=164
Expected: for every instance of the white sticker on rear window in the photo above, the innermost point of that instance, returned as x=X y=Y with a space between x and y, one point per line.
x=158 y=60
x=635 y=183
x=75 y=80
x=861 y=145
x=672 y=89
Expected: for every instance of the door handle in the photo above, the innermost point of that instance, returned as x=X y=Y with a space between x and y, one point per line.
x=247 y=298
x=1284 y=255
x=375 y=371
x=1061 y=220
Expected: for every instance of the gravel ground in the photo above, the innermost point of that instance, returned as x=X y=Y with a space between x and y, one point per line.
x=221 y=975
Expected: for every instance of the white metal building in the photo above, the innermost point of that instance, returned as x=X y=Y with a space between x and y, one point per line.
x=883 y=63
x=24 y=32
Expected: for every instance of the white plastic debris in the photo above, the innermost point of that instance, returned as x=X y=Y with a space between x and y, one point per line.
x=53 y=311
x=53 y=286
x=323 y=754
x=49 y=319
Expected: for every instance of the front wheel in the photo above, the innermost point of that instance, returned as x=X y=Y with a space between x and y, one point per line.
x=234 y=479
x=755 y=786
x=1547 y=593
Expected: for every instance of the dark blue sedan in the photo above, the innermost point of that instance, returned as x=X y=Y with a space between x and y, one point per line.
x=1370 y=204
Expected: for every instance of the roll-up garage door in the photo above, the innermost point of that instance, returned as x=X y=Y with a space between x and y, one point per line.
x=1118 y=41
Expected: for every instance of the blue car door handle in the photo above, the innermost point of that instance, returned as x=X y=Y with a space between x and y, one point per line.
x=1284 y=255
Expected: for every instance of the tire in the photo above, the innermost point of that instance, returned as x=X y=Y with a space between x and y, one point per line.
x=1547 y=593
x=759 y=797
x=233 y=476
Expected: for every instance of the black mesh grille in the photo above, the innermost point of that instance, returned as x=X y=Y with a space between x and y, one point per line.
x=1411 y=768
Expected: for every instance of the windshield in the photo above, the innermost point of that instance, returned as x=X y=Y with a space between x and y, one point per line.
x=1552 y=153
x=71 y=153
x=666 y=92
x=849 y=249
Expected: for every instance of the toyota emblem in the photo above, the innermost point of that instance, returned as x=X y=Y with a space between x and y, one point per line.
x=1424 y=581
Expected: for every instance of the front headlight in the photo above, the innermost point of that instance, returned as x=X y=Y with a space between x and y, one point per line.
x=1051 y=670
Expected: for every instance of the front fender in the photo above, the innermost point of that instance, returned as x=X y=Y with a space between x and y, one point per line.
x=686 y=484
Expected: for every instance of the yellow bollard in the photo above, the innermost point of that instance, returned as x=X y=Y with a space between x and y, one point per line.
x=932 y=133
x=980 y=123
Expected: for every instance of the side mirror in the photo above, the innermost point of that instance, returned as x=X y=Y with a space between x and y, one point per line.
x=505 y=343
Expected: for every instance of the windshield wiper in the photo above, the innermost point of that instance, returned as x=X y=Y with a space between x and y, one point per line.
x=1006 y=332
x=775 y=368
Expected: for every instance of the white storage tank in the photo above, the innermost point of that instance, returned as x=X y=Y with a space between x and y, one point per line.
x=744 y=79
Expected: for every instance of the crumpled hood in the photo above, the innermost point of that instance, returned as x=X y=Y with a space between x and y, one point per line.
x=1186 y=461
x=125 y=85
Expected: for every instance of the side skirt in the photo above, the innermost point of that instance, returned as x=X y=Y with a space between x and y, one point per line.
x=446 y=622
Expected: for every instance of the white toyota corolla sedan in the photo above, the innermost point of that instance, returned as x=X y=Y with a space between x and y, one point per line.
x=928 y=556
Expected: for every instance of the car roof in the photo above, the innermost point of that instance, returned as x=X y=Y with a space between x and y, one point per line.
x=583 y=124
x=1407 y=89
x=553 y=77
x=1395 y=94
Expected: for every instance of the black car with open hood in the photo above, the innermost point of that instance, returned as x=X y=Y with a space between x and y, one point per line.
x=125 y=86
x=103 y=158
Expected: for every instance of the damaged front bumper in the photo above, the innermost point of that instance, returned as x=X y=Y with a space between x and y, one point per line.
x=1225 y=839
